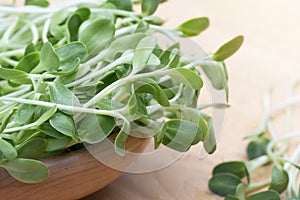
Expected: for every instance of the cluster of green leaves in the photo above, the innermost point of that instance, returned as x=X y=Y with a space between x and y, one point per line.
x=233 y=179
x=82 y=72
x=270 y=149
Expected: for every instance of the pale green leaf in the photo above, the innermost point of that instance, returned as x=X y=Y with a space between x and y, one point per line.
x=228 y=49
x=194 y=27
x=27 y=170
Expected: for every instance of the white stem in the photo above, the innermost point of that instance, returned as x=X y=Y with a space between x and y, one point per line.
x=120 y=82
x=278 y=108
x=20 y=128
x=46 y=30
x=267 y=108
x=34 y=30
x=125 y=30
x=9 y=61
x=19 y=92
x=117 y=62
x=173 y=35
x=18 y=52
x=285 y=137
x=41 y=76
x=62 y=107
x=10 y=30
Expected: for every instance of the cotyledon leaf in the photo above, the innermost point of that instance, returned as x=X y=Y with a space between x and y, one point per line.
x=14 y=75
x=8 y=149
x=64 y=124
x=49 y=60
x=27 y=170
x=228 y=49
x=60 y=94
x=187 y=77
x=143 y=53
x=97 y=33
x=149 y=6
x=195 y=26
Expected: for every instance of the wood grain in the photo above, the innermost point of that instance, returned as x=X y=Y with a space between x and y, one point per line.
x=72 y=175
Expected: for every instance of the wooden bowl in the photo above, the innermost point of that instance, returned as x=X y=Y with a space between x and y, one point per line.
x=72 y=176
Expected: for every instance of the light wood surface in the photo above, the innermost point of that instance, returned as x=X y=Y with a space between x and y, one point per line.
x=269 y=55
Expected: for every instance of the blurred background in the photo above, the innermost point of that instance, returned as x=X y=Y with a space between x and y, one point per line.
x=268 y=57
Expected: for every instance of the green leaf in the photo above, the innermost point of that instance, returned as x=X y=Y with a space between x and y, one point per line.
x=143 y=53
x=97 y=33
x=235 y=167
x=231 y=197
x=196 y=117
x=228 y=49
x=257 y=148
x=122 y=44
x=60 y=94
x=15 y=76
x=64 y=124
x=181 y=132
x=41 y=3
x=74 y=23
x=280 y=179
x=47 y=129
x=58 y=144
x=170 y=57
x=30 y=48
x=45 y=116
x=24 y=114
x=158 y=138
x=136 y=107
x=151 y=87
x=149 y=6
x=194 y=27
x=6 y=119
x=69 y=52
x=216 y=74
x=84 y=13
x=122 y=4
x=265 y=195
x=210 y=143
x=95 y=128
x=33 y=148
x=58 y=23
x=49 y=60
x=224 y=184
x=142 y=27
x=70 y=56
x=121 y=139
x=187 y=77
x=27 y=170
x=8 y=149
x=28 y=62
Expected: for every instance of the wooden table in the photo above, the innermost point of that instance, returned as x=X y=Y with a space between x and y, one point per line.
x=269 y=55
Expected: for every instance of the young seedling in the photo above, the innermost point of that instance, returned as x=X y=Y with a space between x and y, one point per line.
x=80 y=71
x=265 y=148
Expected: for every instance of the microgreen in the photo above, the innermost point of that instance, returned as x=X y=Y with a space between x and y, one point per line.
x=267 y=147
x=79 y=72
